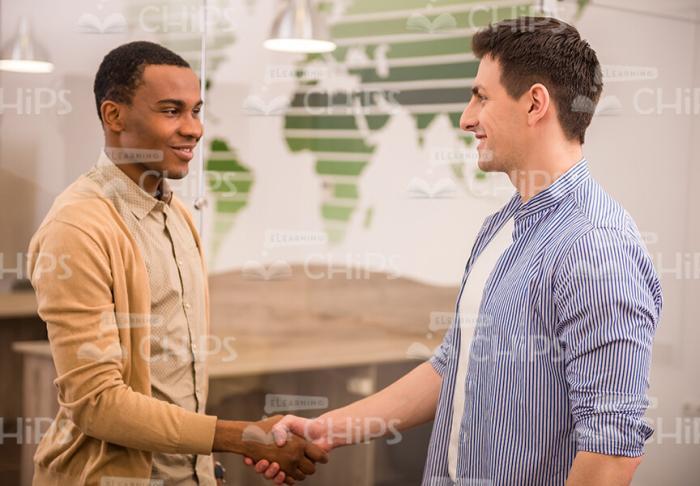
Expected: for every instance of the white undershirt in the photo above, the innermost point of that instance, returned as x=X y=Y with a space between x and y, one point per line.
x=469 y=308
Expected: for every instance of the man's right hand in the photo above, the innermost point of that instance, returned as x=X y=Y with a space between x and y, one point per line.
x=294 y=455
x=315 y=431
x=409 y=401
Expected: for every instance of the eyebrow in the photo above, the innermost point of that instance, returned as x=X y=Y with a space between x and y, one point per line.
x=476 y=88
x=178 y=103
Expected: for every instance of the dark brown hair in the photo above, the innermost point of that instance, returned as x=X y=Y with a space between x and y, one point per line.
x=546 y=50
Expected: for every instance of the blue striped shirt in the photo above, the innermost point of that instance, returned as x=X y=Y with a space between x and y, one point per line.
x=561 y=352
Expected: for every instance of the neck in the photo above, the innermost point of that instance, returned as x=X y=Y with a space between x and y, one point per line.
x=147 y=179
x=542 y=168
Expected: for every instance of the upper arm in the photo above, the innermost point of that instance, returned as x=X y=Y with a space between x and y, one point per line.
x=73 y=283
x=607 y=300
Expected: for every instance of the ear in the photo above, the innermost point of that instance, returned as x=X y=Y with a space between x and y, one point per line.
x=537 y=99
x=112 y=116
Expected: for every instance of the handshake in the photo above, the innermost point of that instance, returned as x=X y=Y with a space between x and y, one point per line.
x=286 y=449
x=283 y=449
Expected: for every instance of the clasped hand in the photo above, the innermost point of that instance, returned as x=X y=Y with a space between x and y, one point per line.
x=296 y=457
x=285 y=431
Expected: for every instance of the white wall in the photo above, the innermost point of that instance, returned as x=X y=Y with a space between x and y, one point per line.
x=650 y=164
x=40 y=154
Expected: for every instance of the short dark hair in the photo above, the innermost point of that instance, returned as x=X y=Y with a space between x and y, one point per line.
x=546 y=50
x=121 y=70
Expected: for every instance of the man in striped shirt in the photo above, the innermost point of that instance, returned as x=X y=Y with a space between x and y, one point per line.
x=551 y=387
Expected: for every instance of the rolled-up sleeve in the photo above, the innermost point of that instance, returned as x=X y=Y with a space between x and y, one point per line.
x=608 y=301
x=440 y=356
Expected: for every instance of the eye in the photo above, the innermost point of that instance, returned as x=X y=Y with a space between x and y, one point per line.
x=170 y=111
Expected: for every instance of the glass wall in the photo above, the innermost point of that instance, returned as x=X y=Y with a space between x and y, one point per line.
x=337 y=200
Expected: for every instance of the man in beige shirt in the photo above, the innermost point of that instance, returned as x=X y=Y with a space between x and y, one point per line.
x=128 y=323
x=176 y=283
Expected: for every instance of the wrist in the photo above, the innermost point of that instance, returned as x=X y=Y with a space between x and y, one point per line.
x=228 y=436
x=334 y=430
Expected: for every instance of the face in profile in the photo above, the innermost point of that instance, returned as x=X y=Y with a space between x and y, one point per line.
x=497 y=120
x=163 y=119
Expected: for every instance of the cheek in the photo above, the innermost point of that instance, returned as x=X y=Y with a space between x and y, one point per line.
x=151 y=129
x=503 y=122
x=490 y=121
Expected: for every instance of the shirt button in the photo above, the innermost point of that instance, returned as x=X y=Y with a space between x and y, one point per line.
x=179 y=263
x=187 y=305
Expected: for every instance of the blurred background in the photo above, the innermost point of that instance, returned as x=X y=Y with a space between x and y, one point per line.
x=338 y=199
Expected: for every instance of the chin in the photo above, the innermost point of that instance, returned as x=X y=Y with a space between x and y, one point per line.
x=176 y=170
x=486 y=162
x=181 y=174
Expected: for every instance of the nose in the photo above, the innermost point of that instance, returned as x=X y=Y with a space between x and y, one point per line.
x=191 y=127
x=468 y=121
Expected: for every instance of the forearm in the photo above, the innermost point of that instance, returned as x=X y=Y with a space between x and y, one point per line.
x=406 y=403
x=590 y=469
x=171 y=429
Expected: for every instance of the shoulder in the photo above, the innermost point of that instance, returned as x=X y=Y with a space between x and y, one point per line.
x=81 y=209
x=601 y=209
x=591 y=218
x=599 y=238
x=607 y=256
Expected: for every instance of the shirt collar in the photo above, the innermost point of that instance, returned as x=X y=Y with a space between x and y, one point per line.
x=137 y=200
x=555 y=192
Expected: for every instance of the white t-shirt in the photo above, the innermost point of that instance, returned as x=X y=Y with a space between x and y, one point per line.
x=469 y=308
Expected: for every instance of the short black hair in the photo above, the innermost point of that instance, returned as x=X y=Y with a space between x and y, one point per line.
x=121 y=70
x=546 y=50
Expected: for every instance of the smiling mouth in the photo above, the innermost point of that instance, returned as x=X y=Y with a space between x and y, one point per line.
x=184 y=152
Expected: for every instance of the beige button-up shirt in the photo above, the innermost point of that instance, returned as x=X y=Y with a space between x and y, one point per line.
x=178 y=338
